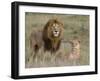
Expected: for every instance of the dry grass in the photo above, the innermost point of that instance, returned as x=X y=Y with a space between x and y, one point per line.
x=74 y=26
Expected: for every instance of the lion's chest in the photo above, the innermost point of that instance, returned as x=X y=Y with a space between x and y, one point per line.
x=52 y=45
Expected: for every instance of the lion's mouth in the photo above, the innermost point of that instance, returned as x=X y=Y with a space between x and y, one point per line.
x=56 y=33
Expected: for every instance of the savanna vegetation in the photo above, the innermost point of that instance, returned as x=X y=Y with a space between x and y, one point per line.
x=74 y=26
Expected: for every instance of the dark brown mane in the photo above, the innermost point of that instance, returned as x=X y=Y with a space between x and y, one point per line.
x=48 y=41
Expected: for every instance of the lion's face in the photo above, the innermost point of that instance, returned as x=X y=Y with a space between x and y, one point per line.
x=55 y=29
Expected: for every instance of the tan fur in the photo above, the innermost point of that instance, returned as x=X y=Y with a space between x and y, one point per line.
x=36 y=41
x=51 y=41
x=75 y=52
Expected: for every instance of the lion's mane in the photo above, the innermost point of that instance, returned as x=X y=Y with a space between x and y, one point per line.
x=52 y=43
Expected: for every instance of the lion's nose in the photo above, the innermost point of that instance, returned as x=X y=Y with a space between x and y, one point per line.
x=56 y=31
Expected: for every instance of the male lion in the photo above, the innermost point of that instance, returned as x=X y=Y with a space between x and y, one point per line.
x=52 y=35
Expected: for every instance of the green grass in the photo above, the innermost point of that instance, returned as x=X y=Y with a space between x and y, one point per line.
x=74 y=26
